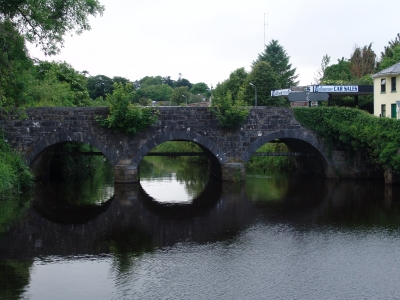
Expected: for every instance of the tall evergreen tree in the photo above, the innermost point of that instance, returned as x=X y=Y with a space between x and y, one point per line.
x=277 y=57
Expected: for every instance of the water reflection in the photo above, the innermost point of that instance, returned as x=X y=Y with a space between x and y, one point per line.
x=75 y=200
x=281 y=234
x=172 y=180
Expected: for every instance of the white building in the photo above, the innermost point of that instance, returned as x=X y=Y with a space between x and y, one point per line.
x=386 y=96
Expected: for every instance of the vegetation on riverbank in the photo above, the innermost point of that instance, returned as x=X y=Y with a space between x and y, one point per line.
x=14 y=173
x=271 y=162
x=181 y=146
x=15 y=177
x=354 y=130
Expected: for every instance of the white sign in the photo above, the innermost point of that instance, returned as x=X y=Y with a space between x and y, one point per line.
x=336 y=88
x=278 y=93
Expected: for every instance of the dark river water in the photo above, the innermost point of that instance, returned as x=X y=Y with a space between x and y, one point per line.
x=181 y=234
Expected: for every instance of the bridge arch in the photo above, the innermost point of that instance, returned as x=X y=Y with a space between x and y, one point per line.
x=36 y=157
x=297 y=140
x=217 y=156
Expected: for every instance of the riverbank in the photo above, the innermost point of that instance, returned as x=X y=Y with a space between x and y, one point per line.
x=15 y=175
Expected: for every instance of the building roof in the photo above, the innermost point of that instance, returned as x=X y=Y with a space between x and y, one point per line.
x=392 y=70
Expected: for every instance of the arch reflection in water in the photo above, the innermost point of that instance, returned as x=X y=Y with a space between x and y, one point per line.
x=173 y=180
x=76 y=200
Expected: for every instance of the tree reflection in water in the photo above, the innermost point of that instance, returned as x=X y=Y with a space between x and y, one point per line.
x=173 y=179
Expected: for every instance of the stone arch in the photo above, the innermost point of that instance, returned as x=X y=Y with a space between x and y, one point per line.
x=205 y=143
x=35 y=157
x=303 y=140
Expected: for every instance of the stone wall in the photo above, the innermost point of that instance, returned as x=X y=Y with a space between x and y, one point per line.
x=43 y=128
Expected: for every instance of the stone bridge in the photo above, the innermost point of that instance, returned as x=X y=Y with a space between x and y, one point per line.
x=45 y=128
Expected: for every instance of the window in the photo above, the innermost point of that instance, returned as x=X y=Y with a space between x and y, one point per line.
x=383 y=110
x=393 y=84
x=383 y=85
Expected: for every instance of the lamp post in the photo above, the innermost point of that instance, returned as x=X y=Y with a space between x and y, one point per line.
x=185 y=98
x=255 y=96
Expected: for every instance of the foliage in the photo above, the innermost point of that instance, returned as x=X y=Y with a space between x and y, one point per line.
x=355 y=130
x=391 y=59
x=168 y=80
x=200 y=88
x=45 y=22
x=339 y=73
x=263 y=77
x=181 y=146
x=79 y=167
x=161 y=92
x=16 y=274
x=122 y=80
x=388 y=52
x=99 y=86
x=229 y=113
x=362 y=61
x=180 y=95
x=277 y=57
x=233 y=85
x=272 y=162
x=183 y=82
x=150 y=80
x=56 y=84
x=125 y=116
x=14 y=173
x=14 y=62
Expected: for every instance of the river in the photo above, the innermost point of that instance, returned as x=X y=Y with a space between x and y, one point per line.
x=181 y=234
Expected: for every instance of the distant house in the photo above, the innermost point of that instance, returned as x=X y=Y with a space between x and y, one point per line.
x=387 y=92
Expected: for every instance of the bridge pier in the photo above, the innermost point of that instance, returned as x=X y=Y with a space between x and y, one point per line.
x=233 y=171
x=125 y=173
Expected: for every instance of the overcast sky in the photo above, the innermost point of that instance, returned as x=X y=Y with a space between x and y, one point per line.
x=206 y=40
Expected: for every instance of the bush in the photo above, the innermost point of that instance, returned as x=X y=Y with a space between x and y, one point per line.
x=125 y=116
x=14 y=173
x=354 y=130
x=230 y=114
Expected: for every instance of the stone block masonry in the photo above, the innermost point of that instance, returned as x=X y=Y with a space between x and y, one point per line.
x=229 y=150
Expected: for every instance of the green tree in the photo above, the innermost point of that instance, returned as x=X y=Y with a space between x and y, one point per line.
x=388 y=52
x=230 y=113
x=118 y=79
x=99 y=86
x=200 y=88
x=183 y=82
x=14 y=63
x=46 y=22
x=263 y=77
x=180 y=95
x=339 y=73
x=233 y=85
x=277 y=57
x=168 y=80
x=57 y=84
x=150 y=80
x=125 y=116
x=391 y=59
x=154 y=93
